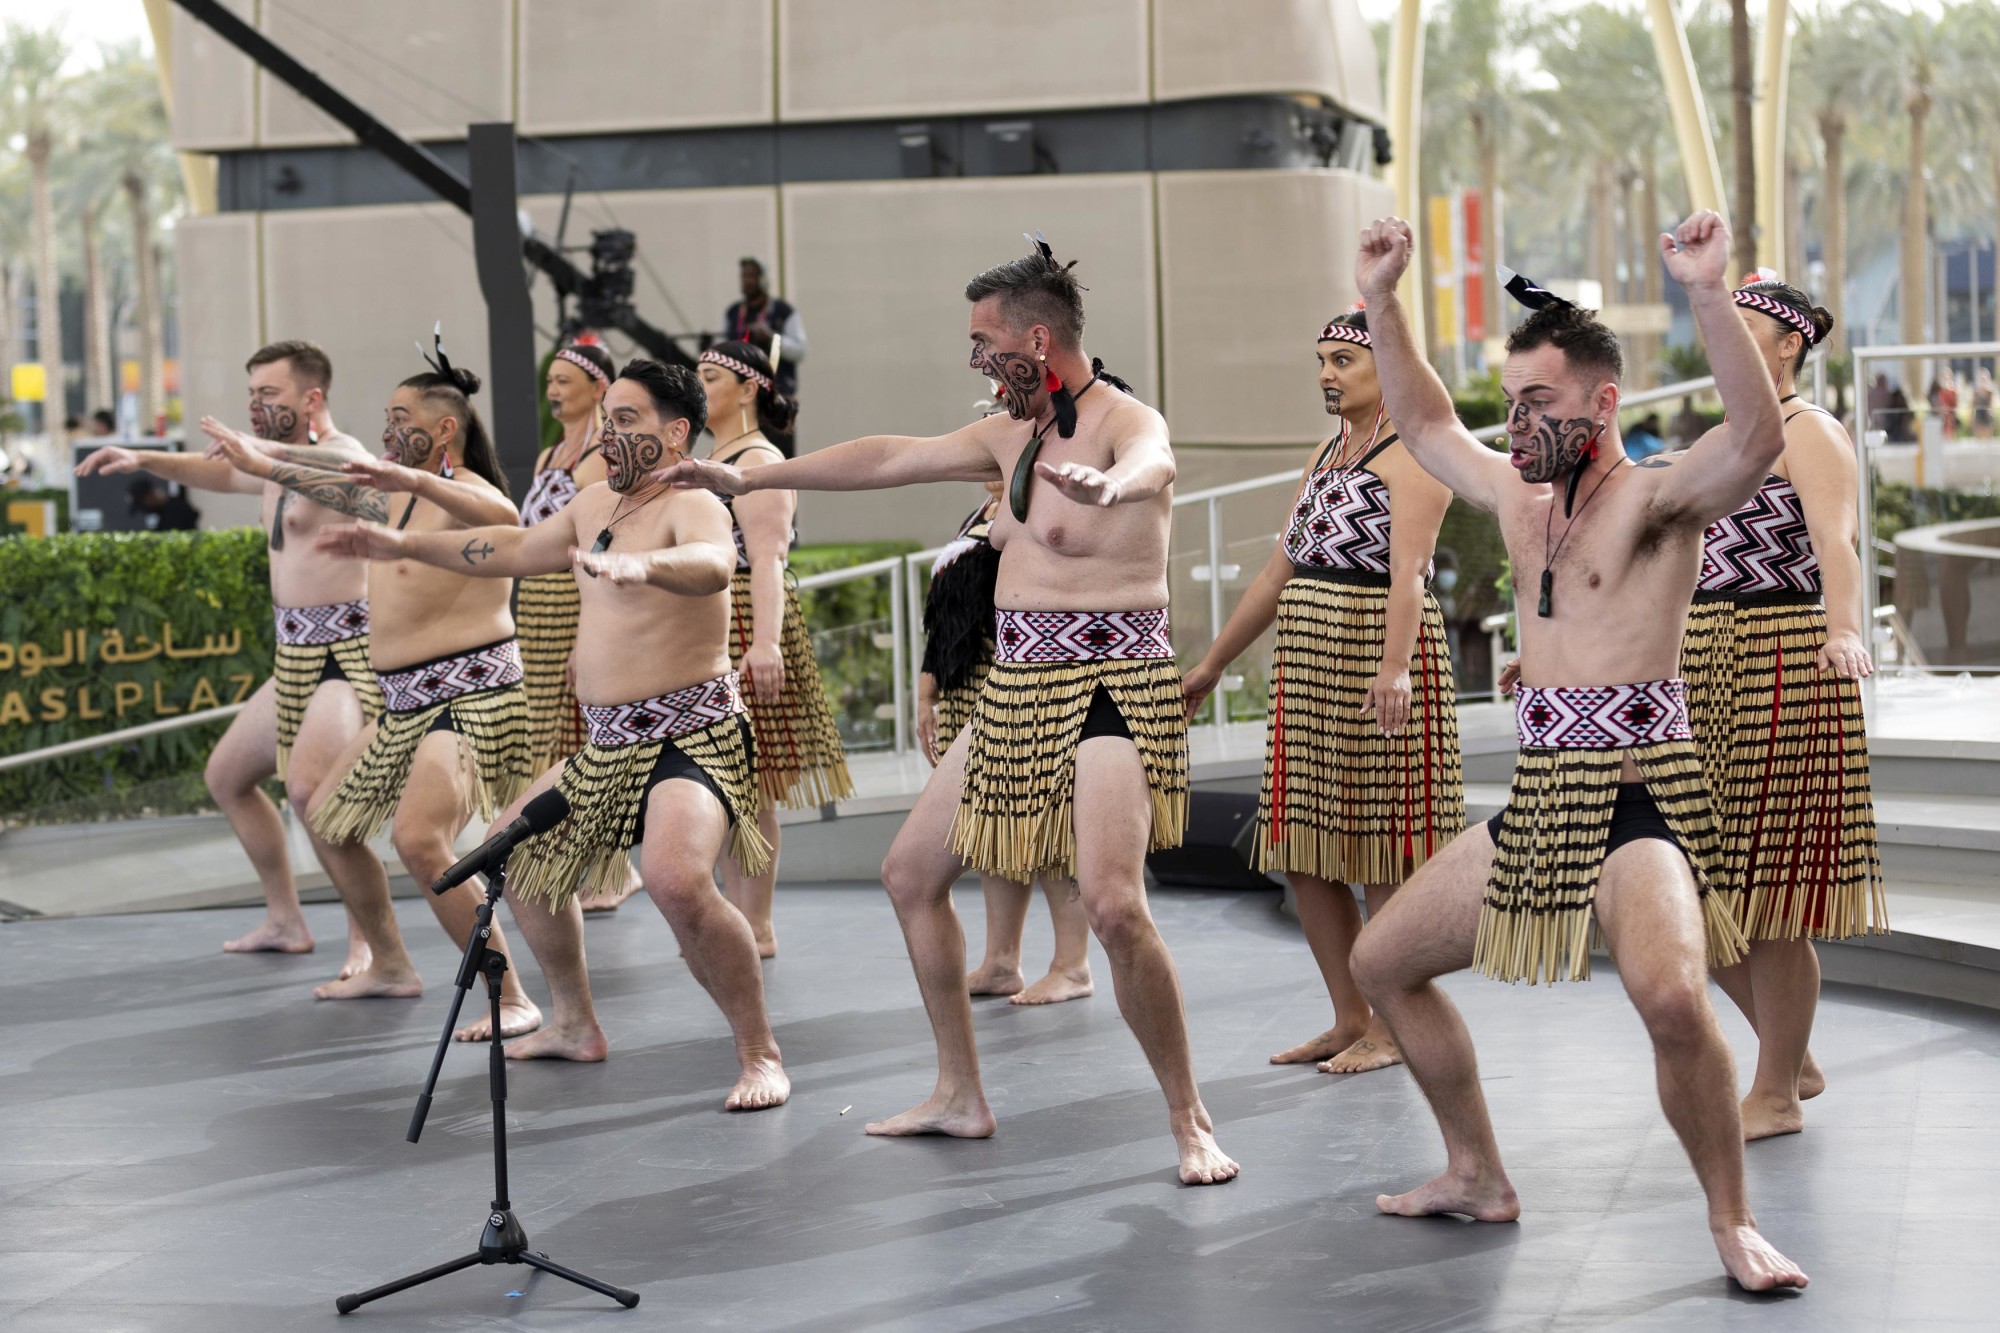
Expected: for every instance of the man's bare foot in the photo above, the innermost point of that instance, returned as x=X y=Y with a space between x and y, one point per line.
x=372 y=983
x=1488 y=1198
x=1376 y=1050
x=1767 y=1117
x=994 y=979
x=763 y=1085
x=1323 y=1047
x=767 y=942
x=585 y=1046
x=1202 y=1161
x=273 y=938
x=1753 y=1262
x=1056 y=987
x=359 y=956
x=610 y=902
x=518 y=1017
x=1812 y=1079
x=968 y=1120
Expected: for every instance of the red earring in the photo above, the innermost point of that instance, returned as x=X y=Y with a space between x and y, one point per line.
x=1051 y=381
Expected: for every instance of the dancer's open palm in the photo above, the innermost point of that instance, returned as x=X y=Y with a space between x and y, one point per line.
x=382 y=475
x=360 y=541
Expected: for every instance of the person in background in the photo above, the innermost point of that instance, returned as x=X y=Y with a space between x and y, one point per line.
x=1982 y=401
x=759 y=319
x=166 y=510
x=103 y=424
x=1645 y=439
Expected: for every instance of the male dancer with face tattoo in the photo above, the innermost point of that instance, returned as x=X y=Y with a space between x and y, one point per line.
x=454 y=736
x=1609 y=819
x=666 y=762
x=1075 y=762
x=322 y=690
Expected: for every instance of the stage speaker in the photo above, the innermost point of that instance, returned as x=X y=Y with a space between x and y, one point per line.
x=1216 y=852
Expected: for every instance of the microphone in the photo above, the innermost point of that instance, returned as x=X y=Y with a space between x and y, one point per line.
x=538 y=816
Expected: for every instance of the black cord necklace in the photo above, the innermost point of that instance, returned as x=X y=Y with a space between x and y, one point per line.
x=1024 y=467
x=1546 y=606
x=603 y=542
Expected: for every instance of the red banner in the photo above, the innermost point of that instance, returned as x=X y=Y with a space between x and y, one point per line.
x=1475 y=272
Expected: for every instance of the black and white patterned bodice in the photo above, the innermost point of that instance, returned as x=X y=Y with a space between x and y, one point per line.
x=1341 y=522
x=548 y=493
x=1762 y=547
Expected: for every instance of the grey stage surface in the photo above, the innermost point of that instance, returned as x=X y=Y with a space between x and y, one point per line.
x=189 y=1142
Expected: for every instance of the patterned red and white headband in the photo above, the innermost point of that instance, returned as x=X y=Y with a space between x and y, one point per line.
x=743 y=370
x=1782 y=311
x=590 y=367
x=1337 y=332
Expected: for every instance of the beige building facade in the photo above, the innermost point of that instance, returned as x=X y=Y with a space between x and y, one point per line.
x=1209 y=162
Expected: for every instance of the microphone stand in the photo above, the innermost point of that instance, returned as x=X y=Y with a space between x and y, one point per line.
x=503 y=1241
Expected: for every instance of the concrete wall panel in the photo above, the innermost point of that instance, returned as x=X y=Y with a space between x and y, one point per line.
x=879 y=272
x=219 y=329
x=367 y=284
x=1360 y=62
x=840 y=59
x=427 y=67
x=643 y=65
x=1208 y=48
x=1252 y=264
x=214 y=86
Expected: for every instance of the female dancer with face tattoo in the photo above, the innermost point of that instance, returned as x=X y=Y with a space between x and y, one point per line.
x=1362 y=782
x=1773 y=666
x=800 y=760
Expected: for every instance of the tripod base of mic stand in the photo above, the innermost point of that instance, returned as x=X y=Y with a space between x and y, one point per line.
x=502 y=1242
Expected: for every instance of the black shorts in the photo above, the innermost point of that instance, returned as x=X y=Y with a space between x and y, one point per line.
x=674 y=763
x=1635 y=816
x=1104 y=719
x=330 y=670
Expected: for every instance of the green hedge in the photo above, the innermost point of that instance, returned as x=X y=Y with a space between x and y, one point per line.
x=120 y=593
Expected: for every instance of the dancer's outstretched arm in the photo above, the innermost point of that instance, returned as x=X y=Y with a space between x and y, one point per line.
x=497 y=552
x=872 y=463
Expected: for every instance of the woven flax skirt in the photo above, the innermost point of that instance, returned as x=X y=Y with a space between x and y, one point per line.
x=1015 y=814
x=1535 y=922
x=480 y=690
x=311 y=641
x=546 y=607
x=1340 y=800
x=1786 y=752
x=800 y=760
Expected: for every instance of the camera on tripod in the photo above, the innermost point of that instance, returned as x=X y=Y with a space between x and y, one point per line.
x=604 y=301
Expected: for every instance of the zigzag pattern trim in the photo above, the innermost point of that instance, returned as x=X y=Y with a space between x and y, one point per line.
x=1763 y=547
x=551 y=490
x=1341 y=522
x=665 y=717
x=1080 y=636
x=312 y=626
x=1601 y=717
x=493 y=667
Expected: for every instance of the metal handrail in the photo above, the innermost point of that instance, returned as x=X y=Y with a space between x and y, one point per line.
x=144 y=729
x=896 y=567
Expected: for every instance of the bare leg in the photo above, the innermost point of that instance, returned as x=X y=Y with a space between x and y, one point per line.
x=999 y=972
x=1068 y=977
x=1651 y=918
x=1792 y=982
x=685 y=830
x=918 y=874
x=437 y=802
x=364 y=889
x=1113 y=824
x=1331 y=921
x=332 y=721
x=245 y=757
x=752 y=894
x=1375 y=1049
x=1426 y=932
x=572 y=1031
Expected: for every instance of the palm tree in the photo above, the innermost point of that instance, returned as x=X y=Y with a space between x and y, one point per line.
x=1742 y=93
x=1466 y=85
x=129 y=129
x=1831 y=54
x=31 y=108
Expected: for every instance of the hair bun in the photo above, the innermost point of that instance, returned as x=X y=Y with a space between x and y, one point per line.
x=1822 y=319
x=465 y=381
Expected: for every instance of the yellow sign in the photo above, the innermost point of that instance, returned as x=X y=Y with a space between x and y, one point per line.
x=128 y=375
x=31 y=382
x=35 y=518
x=1444 y=276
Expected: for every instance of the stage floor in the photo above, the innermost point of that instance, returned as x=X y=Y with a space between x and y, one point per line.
x=188 y=1141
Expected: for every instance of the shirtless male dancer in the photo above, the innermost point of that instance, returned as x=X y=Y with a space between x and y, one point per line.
x=1608 y=798
x=1084 y=700
x=666 y=761
x=322 y=690
x=454 y=736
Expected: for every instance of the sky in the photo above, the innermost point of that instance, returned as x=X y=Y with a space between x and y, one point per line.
x=85 y=22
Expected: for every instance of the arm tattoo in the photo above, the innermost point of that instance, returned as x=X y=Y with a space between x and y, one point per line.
x=1656 y=461
x=475 y=552
x=319 y=456
x=334 y=490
